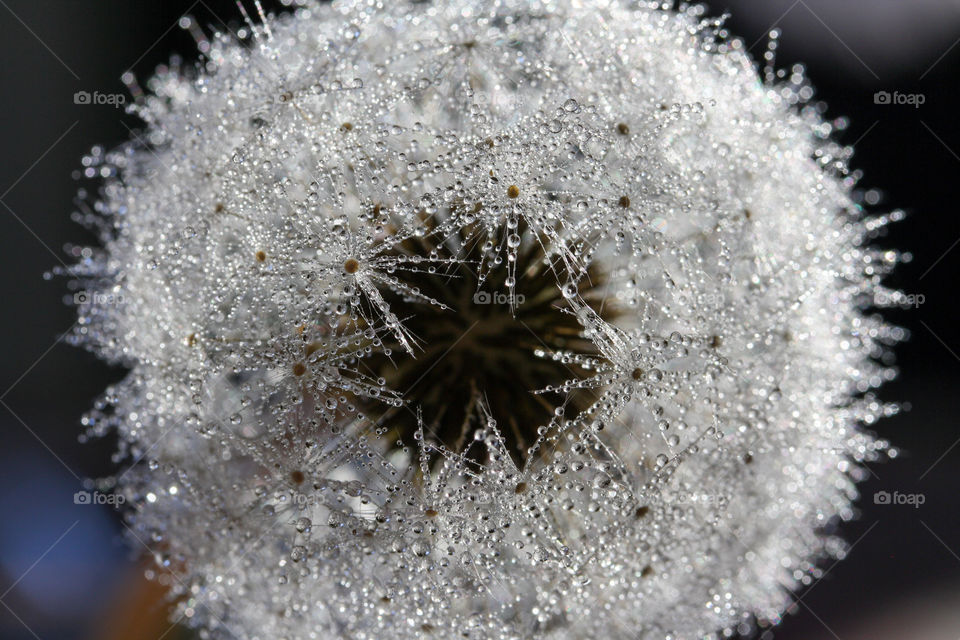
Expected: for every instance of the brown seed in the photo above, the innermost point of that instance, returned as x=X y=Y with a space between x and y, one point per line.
x=352 y=265
x=646 y=572
x=625 y=202
x=641 y=511
x=520 y=488
x=513 y=191
x=637 y=374
x=431 y=513
x=261 y=256
x=311 y=348
x=716 y=341
x=747 y=458
x=299 y=369
x=218 y=207
x=623 y=129
x=297 y=477
x=191 y=339
x=346 y=126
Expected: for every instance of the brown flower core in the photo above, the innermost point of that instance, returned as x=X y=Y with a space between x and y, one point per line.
x=482 y=351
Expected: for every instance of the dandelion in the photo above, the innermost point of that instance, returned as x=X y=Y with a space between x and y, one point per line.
x=474 y=319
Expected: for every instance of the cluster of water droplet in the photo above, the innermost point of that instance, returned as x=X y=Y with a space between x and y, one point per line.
x=284 y=195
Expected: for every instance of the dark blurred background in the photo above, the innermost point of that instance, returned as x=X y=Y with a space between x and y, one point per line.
x=64 y=573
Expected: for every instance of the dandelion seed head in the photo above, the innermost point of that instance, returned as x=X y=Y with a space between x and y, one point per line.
x=473 y=319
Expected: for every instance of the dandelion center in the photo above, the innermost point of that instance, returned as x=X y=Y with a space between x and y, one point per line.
x=490 y=347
